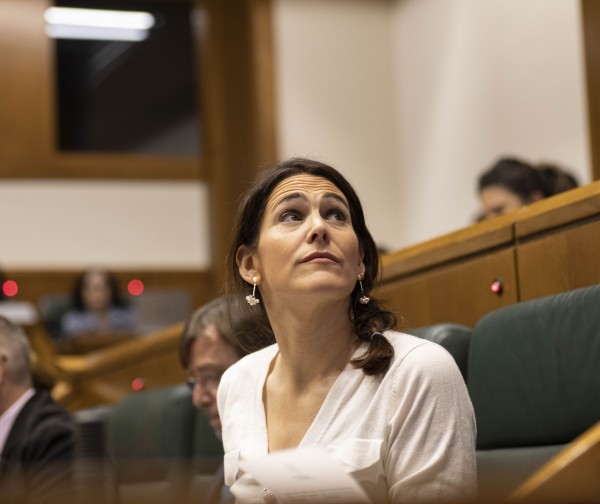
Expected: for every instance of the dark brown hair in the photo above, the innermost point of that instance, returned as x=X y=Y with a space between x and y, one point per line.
x=366 y=319
x=524 y=180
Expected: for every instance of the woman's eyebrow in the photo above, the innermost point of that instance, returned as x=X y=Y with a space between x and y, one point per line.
x=288 y=197
x=336 y=197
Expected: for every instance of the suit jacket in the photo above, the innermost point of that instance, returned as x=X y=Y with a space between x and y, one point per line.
x=36 y=465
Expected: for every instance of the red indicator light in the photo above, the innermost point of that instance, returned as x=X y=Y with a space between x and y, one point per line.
x=135 y=287
x=137 y=384
x=10 y=288
x=497 y=287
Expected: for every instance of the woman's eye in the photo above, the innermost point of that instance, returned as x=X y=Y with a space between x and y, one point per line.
x=337 y=215
x=290 y=216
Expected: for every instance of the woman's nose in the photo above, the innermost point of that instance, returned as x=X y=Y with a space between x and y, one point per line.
x=318 y=228
x=201 y=397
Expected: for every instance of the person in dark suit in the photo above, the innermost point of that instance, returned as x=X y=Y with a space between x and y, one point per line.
x=37 y=436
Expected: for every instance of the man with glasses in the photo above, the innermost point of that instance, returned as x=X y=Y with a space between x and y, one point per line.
x=209 y=345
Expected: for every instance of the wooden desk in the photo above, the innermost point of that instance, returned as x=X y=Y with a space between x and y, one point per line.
x=558 y=243
x=549 y=247
x=449 y=279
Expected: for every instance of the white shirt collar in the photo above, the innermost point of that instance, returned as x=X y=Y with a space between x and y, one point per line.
x=7 y=419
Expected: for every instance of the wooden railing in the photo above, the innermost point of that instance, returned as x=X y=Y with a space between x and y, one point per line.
x=106 y=375
x=571 y=476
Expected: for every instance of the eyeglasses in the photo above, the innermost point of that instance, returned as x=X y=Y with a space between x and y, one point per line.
x=209 y=380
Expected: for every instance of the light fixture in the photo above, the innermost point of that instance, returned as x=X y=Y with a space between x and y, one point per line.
x=97 y=24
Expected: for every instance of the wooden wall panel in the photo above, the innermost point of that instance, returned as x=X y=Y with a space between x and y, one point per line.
x=590 y=10
x=560 y=261
x=238 y=103
x=458 y=293
x=26 y=133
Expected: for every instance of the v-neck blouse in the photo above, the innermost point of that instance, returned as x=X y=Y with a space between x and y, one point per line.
x=406 y=436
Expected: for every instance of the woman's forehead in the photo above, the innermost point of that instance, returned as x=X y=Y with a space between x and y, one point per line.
x=303 y=184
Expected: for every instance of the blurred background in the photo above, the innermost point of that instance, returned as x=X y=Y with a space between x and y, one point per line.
x=130 y=153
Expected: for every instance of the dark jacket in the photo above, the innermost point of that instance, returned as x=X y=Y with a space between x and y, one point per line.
x=36 y=465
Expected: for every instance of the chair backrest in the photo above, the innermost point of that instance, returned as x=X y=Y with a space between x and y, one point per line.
x=157 y=442
x=52 y=307
x=453 y=337
x=93 y=478
x=156 y=309
x=534 y=383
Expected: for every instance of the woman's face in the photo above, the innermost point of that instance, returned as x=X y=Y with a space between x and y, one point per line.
x=96 y=292
x=306 y=245
x=498 y=200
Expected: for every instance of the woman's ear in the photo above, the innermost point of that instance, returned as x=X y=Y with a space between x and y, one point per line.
x=246 y=263
x=361 y=261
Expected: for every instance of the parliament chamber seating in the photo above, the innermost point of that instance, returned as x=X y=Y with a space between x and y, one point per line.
x=151 y=447
x=455 y=338
x=527 y=361
x=534 y=381
x=532 y=371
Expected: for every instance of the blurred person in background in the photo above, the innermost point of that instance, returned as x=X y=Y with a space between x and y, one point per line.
x=37 y=437
x=97 y=307
x=209 y=345
x=511 y=183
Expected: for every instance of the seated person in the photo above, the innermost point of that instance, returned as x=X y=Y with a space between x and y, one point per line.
x=208 y=347
x=37 y=437
x=512 y=183
x=98 y=308
x=391 y=408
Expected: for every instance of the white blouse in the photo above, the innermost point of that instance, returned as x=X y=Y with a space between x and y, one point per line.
x=406 y=436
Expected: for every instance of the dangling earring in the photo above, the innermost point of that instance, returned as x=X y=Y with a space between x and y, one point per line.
x=362 y=299
x=252 y=299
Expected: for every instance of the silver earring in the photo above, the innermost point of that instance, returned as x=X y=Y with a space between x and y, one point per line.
x=252 y=299
x=362 y=299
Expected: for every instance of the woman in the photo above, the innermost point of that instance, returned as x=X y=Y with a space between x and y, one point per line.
x=97 y=307
x=391 y=408
x=511 y=183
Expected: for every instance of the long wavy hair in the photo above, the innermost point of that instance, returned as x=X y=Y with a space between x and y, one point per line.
x=369 y=320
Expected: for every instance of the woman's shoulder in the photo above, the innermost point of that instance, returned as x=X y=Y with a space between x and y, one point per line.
x=404 y=343
x=414 y=353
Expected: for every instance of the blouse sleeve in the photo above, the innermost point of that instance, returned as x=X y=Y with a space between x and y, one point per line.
x=430 y=451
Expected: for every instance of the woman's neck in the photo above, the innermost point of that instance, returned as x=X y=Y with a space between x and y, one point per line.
x=315 y=342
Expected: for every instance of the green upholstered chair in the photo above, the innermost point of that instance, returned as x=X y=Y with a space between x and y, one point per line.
x=534 y=379
x=158 y=444
x=453 y=337
x=93 y=483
